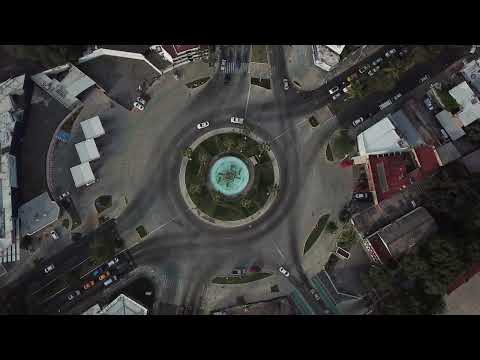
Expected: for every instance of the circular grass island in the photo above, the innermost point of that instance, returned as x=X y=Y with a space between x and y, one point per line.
x=230 y=176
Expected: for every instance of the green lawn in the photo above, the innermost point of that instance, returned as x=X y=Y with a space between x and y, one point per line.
x=317 y=230
x=342 y=144
x=240 y=280
x=329 y=153
x=259 y=54
x=142 y=232
x=103 y=202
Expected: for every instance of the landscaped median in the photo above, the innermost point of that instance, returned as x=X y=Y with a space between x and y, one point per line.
x=231 y=280
x=316 y=232
x=259 y=54
x=197 y=83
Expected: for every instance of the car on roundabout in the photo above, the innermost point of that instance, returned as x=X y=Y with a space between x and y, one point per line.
x=284 y=271
x=203 y=125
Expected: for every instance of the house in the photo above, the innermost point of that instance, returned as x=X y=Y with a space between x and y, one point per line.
x=471 y=73
x=381 y=138
x=122 y=305
x=324 y=57
x=452 y=125
x=37 y=214
x=183 y=54
x=468 y=101
x=388 y=174
x=400 y=236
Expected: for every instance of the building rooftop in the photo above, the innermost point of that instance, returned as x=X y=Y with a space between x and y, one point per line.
x=468 y=101
x=123 y=305
x=37 y=214
x=405 y=128
x=448 y=153
x=324 y=58
x=404 y=233
x=92 y=128
x=178 y=50
x=336 y=48
x=82 y=174
x=380 y=138
x=471 y=73
x=452 y=126
x=87 y=150
x=472 y=162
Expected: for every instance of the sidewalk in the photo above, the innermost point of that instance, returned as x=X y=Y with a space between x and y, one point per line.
x=301 y=70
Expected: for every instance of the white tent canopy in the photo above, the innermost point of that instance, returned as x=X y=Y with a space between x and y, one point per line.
x=82 y=174
x=92 y=128
x=87 y=150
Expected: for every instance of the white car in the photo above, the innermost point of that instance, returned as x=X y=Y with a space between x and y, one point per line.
x=390 y=53
x=285 y=84
x=223 y=64
x=364 y=68
x=377 y=61
x=54 y=235
x=396 y=97
x=203 y=125
x=112 y=262
x=236 y=120
x=49 y=269
x=71 y=296
x=139 y=106
x=333 y=90
x=284 y=271
x=358 y=121
x=141 y=100
x=424 y=78
x=336 y=96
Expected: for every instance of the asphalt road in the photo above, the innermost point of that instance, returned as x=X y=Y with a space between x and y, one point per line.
x=196 y=251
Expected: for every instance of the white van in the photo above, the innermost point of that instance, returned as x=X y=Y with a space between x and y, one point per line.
x=385 y=104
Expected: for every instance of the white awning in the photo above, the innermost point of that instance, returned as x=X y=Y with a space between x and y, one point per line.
x=87 y=150
x=82 y=174
x=92 y=128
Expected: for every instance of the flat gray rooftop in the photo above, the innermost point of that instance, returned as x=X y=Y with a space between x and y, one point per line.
x=37 y=214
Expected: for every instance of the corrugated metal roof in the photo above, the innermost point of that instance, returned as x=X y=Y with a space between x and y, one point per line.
x=380 y=138
x=87 y=150
x=92 y=128
x=82 y=174
x=445 y=118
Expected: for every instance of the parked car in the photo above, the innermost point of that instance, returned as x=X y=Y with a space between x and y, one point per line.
x=346 y=88
x=138 y=106
x=105 y=275
x=428 y=103
x=403 y=52
x=110 y=281
x=374 y=70
x=361 y=196
x=54 y=235
x=473 y=49
x=385 y=104
x=97 y=272
x=333 y=90
x=377 y=61
x=424 y=78
x=284 y=271
x=364 y=68
x=112 y=262
x=88 y=285
x=236 y=120
x=223 y=64
x=357 y=121
x=203 y=125
x=141 y=100
x=396 y=97
x=315 y=294
x=285 y=84
x=390 y=53
x=73 y=295
x=238 y=272
x=49 y=269
x=336 y=96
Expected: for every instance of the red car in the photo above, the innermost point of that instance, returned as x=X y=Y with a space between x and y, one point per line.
x=88 y=284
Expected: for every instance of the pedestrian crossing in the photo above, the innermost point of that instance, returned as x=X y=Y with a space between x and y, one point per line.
x=233 y=67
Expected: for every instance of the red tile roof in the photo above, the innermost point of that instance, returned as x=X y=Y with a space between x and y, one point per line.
x=392 y=173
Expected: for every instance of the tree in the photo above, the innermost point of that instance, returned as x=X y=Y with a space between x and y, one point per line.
x=195 y=189
x=331 y=227
x=413 y=266
x=473 y=132
x=216 y=196
x=228 y=143
x=102 y=247
x=188 y=152
x=263 y=148
x=357 y=90
x=246 y=203
x=394 y=70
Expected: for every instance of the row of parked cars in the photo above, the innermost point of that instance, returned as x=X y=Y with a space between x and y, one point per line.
x=233 y=120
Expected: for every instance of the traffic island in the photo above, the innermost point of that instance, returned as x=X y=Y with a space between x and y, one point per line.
x=316 y=232
x=229 y=177
x=197 y=83
x=231 y=280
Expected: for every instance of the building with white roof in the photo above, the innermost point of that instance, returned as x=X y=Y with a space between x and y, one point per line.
x=471 y=73
x=92 y=128
x=87 y=150
x=336 y=48
x=451 y=124
x=324 y=58
x=122 y=305
x=468 y=101
x=37 y=214
x=82 y=175
x=380 y=138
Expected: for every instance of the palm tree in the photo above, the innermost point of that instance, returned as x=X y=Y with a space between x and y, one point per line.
x=356 y=90
x=246 y=203
x=195 y=189
x=394 y=71
x=216 y=196
x=188 y=152
x=228 y=143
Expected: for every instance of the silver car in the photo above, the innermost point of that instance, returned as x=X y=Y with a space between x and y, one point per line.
x=284 y=271
x=203 y=125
